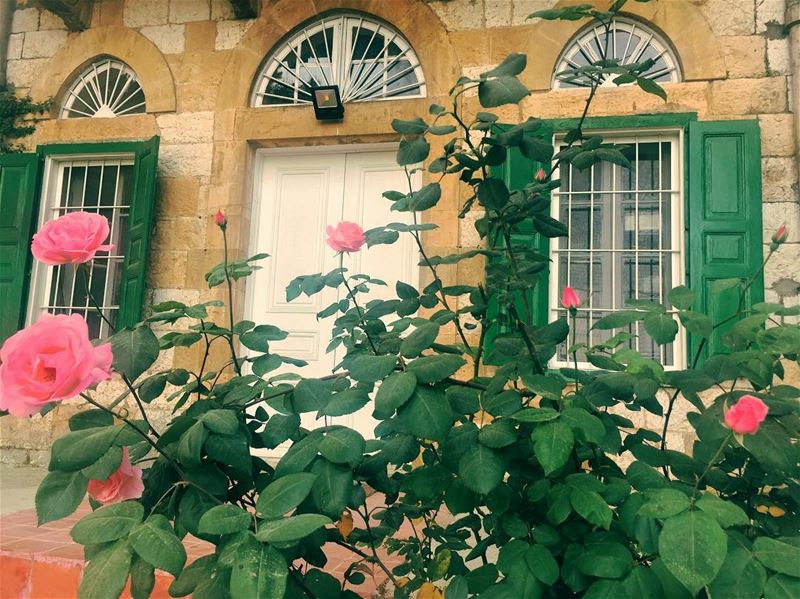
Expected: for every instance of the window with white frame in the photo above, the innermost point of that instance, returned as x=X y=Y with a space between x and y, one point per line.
x=625 y=239
x=101 y=185
x=366 y=58
x=628 y=42
x=106 y=88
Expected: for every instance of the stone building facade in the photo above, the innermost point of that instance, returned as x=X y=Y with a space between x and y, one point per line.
x=197 y=64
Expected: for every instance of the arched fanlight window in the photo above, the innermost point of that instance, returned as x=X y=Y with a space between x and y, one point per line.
x=106 y=88
x=628 y=42
x=366 y=58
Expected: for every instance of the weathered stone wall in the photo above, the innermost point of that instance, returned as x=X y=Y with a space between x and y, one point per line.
x=197 y=65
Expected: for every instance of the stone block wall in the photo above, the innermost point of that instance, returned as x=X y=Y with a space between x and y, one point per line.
x=197 y=64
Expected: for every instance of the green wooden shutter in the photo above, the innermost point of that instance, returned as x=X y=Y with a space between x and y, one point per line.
x=517 y=172
x=140 y=224
x=18 y=211
x=724 y=217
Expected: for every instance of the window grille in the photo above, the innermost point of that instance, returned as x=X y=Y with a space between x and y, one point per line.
x=102 y=186
x=106 y=88
x=624 y=243
x=627 y=42
x=366 y=58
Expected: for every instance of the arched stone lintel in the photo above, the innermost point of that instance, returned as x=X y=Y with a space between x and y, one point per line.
x=412 y=18
x=122 y=43
x=681 y=22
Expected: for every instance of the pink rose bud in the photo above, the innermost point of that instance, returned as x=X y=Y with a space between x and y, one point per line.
x=125 y=483
x=570 y=299
x=780 y=235
x=71 y=239
x=540 y=176
x=52 y=360
x=345 y=237
x=220 y=219
x=746 y=415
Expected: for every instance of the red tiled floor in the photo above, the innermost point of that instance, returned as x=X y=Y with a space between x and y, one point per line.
x=44 y=563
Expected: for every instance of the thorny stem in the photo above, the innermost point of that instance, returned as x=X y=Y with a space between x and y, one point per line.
x=700 y=347
x=711 y=462
x=229 y=281
x=355 y=303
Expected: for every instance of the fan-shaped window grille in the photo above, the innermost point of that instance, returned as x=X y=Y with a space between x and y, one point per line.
x=106 y=88
x=366 y=58
x=627 y=42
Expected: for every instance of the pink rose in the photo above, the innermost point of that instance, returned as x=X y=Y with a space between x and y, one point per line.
x=71 y=239
x=220 y=219
x=570 y=299
x=49 y=361
x=746 y=415
x=345 y=237
x=780 y=235
x=540 y=176
x=125 y=483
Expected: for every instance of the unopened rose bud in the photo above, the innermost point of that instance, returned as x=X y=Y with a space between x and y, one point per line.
x=780 y=235
x=540 y=176
x=570 y=300
x=220 y=219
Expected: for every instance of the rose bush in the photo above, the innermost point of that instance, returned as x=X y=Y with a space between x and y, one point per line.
x=515 y=480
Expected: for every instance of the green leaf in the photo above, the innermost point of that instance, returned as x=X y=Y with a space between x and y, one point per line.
x=621 y=318
x=605 y=589
x=642 y=583
x=493 y=193
x=432 y=369
x=90 y=419
x=427 y=415
x=419 y=340
x=258 y=339
x=457 y=588
x=664 y=503
x=535 y=415
x=106 y=573
x=549 y=226
x=682 y=297
x=156 y=543
x=135 y=350
x=259 y=572
x=333 y=488
x=505 y=89
x=542 y=564
x=498 y=433
x=59 y=495
x=693 y=547
x=106 y=465
x=366 y=368
x=725 y=512
x=412 y=127
x=606 y=560
x=342 y=445
x=394 y=391
x=82 y=448
x=590 y=506
x=299 y=455
x=143 y=579
x=191 y=444
x=413 y=151
x=481 y=469
x=346 y=402
x=696 y=323
x=778 y=556
x=781 y=586
x=741 y=576
x=223 y=422
x=661 y=327
x=588 y=427
x=651 y=87
x=552 y=442
x=191 y=576
x=291 y=529
x=513 y=64
x=425 y=198
x=311 y=395
x=224 y=519
x=109 y=523
x=284 y=494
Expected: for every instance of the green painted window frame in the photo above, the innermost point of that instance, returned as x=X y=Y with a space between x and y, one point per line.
x=694 y=268
x=141 y=216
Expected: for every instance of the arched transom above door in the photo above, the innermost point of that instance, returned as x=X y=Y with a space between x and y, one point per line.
x=366 y=57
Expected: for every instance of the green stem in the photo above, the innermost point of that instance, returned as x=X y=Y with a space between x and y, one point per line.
x=352 y=296
x=229 y=281
x=711 y=462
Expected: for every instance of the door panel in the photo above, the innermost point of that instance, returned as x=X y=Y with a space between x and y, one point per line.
x=300 y=195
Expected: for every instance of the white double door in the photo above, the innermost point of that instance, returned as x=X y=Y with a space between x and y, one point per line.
x=300 y=193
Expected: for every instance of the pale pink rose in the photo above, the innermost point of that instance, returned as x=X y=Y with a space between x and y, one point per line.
x=780 y=235
x=71 y=239
x=570 y=299
x=345 y=237
x=220 y=219
x=49 y=361
x=125 y=483
x=746 y=415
